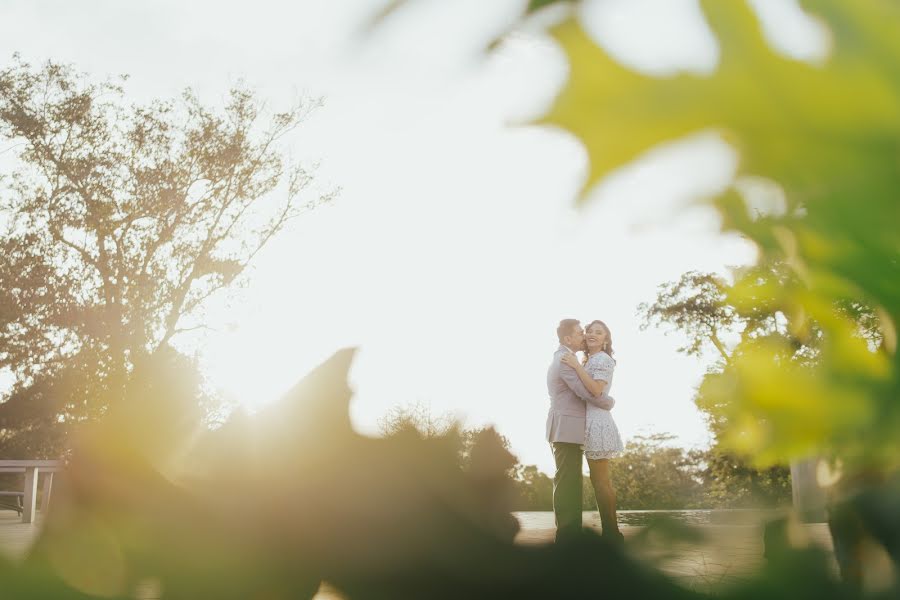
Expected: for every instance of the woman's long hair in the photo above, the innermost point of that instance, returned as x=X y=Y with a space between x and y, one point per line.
x=608 y=346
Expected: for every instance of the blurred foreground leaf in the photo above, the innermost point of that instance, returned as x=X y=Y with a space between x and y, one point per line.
x=829 y=136
x=269 y=505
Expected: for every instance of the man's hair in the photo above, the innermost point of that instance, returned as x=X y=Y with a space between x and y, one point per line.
x=565 y=328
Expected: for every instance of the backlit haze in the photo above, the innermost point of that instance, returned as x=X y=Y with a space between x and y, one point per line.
x=455 y=245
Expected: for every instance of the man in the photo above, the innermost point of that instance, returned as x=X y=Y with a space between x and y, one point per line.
x=565 y=428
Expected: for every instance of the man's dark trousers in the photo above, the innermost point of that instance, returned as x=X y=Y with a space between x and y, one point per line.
x=567 y=489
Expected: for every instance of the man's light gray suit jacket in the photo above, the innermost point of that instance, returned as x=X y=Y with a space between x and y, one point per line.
x=568 y=398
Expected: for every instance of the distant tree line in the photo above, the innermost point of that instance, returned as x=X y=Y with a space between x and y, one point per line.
x=651 y=474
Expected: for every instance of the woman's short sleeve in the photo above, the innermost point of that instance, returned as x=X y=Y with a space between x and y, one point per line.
x=601 y=367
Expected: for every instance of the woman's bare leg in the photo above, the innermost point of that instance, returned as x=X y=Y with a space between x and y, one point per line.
x=606 y=495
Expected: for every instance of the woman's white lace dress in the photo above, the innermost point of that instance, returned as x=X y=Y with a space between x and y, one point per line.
x=601 y=436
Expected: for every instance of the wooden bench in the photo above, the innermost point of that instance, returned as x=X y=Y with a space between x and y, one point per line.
x=16 y=503
x=32 y=470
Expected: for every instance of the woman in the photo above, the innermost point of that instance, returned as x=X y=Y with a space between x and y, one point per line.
x=601 y=436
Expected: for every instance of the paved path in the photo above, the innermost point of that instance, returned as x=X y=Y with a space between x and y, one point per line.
x=706 y=556
x=16 y=537
x=715 y=556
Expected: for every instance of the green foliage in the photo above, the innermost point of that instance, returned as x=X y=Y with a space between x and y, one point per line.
x=270 y=504
x=696 y=306
x=416 y=421
x=828 y=135
x=651 y=474
x=792 y=122
x=536 y=489
x=730 y=481
x=704 y=308
x=535 y=5
x=119 y=222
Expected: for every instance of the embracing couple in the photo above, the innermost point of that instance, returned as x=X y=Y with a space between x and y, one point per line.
x=580 y=422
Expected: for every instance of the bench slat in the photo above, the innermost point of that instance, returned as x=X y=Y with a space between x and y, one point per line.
x=40 y=464
x=22 y=469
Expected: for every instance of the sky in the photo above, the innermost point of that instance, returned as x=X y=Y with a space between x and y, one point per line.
x=455 y=244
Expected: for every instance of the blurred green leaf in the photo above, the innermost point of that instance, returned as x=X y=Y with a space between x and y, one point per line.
x=829 y=135
x=536 y=5
x=811 y=128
